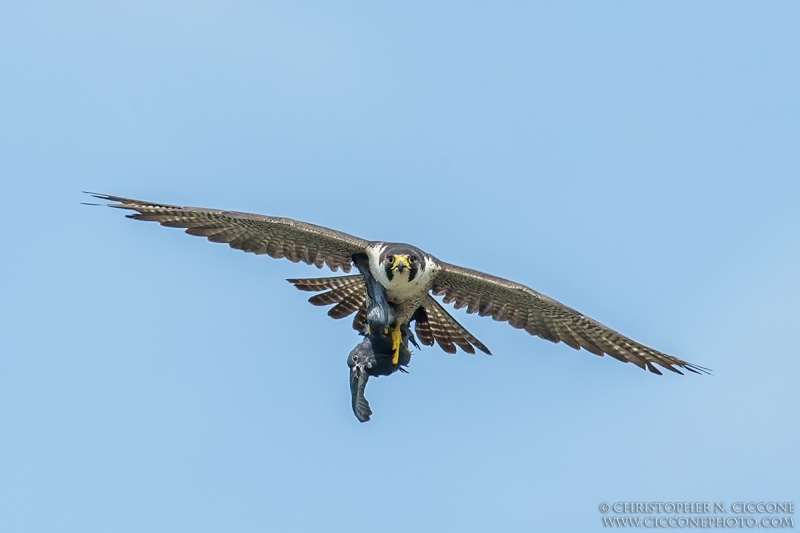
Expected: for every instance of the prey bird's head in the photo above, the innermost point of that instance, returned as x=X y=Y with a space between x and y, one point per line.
x=402 y=260
x=361 y=358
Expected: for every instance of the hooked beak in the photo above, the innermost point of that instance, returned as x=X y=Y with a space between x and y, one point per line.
x=401 y=263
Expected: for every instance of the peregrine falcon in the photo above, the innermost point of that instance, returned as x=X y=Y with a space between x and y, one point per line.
x=411 y=278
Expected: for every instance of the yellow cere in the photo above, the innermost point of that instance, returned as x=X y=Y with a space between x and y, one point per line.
x=398 y=259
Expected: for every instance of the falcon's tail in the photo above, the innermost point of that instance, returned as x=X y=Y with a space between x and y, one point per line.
x=432 y=322
x=347 y=292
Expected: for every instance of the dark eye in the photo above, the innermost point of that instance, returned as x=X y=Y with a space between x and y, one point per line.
x=413 y=259
x=390 y=258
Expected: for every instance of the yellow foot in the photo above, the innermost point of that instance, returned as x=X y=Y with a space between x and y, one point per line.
x=397 y=340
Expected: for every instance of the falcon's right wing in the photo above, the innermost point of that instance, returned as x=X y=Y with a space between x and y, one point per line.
x=259 y=234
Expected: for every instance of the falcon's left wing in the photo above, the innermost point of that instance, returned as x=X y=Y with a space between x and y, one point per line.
x=524 y=308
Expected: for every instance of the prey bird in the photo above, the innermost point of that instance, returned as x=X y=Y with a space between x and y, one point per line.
x=364 y=362
x=410 y=278
x=374 y=356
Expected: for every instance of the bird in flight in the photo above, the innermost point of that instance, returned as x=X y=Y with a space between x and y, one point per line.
x=410 y=278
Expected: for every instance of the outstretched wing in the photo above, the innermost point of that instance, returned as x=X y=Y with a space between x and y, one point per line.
x=277 y=237
x=524 y=308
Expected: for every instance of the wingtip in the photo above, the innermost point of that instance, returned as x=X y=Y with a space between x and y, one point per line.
x=98 y=195
x=121 y=201
x=697 y=369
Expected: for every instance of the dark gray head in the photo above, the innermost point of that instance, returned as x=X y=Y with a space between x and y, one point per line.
x=402 y=259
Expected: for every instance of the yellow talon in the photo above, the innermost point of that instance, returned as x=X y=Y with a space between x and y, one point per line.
x=397 y=340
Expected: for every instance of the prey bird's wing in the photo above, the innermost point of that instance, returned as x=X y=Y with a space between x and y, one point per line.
x=258 y=234
x=524 y=308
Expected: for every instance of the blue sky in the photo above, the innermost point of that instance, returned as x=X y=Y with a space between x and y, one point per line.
x=636 y=161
